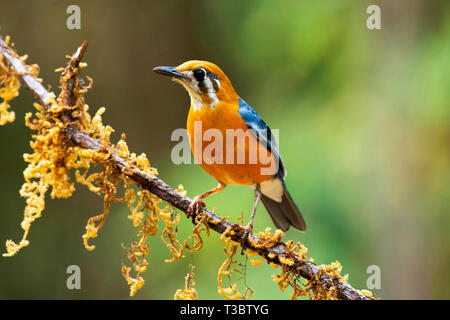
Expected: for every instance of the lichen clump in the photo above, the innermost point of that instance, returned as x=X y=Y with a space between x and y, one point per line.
x=52 y=159
x=189 y=292
x=313 y=288
x=232 y=292
x=9 y=88
x=54 y=156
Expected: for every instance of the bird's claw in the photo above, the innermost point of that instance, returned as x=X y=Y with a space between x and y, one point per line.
x=246 y=236
x=194 y=207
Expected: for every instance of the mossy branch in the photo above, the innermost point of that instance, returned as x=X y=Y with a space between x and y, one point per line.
x=275 y=252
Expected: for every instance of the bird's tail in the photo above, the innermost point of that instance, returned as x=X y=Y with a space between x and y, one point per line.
x=285 y=213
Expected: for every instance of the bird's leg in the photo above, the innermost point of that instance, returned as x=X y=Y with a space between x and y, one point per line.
x=198 y=200
x=249 y=227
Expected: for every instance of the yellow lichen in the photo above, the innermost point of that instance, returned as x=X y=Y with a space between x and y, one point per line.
x=53 y=158
x=225 y=237
x=266 y=239
x=10 y=85
x=287 y=261
x=256 y=262
x=91 y=232
x=251 y=253
x=201 y=224
x=9 y=91
x=232 y=291
x=147 y=224
x=107 y=181
x=48 y=167
x=169 y=233
x=134 y=283
x=273 y=265
x=189 y=292
x=367 y=293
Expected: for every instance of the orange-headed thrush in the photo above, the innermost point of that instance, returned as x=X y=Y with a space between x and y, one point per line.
x=215 y=106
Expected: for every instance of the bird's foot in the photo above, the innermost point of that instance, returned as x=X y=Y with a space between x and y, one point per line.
x=246 y=236
x=194 y=207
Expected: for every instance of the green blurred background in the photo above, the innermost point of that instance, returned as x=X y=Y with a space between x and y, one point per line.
x=364 y=133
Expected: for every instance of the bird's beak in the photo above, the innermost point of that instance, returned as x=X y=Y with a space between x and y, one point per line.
x=170 y=71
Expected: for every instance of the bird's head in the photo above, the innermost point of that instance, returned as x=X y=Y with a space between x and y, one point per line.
x=205 y=82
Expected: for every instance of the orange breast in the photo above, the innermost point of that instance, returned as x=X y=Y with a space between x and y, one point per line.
x=225 y=148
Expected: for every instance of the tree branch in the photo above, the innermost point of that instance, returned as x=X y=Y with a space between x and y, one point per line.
x=274 y=254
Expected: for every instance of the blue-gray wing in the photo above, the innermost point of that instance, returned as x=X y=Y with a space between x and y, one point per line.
x=261 y=130
x=283 y=211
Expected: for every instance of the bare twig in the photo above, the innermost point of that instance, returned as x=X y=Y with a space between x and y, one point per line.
x=274 y=254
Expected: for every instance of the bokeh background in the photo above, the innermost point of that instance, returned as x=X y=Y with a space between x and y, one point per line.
x=364 y=133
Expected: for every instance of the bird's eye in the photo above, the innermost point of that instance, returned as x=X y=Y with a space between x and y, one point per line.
x=199 y=74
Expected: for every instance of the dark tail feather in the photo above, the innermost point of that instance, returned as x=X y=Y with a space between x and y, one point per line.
x=285 y=213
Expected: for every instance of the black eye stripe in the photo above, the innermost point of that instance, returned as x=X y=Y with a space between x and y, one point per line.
x=215 y=84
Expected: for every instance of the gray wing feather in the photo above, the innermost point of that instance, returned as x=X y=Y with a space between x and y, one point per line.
x=285 y=213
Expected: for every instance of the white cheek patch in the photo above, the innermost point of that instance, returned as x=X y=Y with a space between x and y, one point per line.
x=192 y=89
x=211 y=91
x=196 y=99
x=196 y=102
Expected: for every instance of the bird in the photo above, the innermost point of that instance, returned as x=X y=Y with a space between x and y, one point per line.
x=215 y=106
